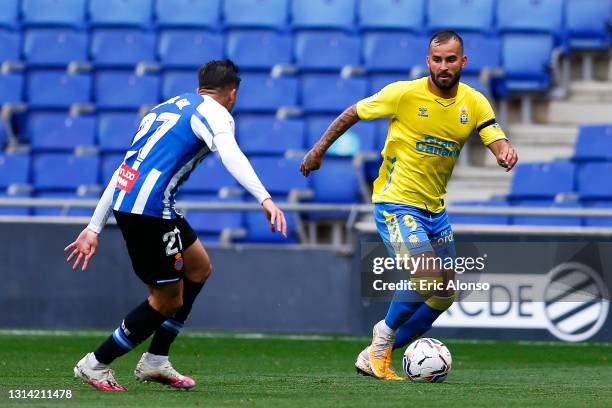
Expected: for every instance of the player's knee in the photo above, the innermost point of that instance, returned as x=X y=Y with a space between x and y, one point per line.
x=441 y=300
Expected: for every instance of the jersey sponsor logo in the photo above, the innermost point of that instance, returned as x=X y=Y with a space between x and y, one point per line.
x=423 y=112
x=127 y=178
x=438 y=147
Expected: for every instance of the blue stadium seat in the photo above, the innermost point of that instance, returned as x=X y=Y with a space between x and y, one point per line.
x=11 y=88
x=54 y=47
x=209 y=177
x=595 y=181
x=212 y=222
x=116 y=130
x=391 y=15
x=57 y=211
x=542 y=180
x=336 y=182
x=57 y=89
x=14 y=169
x=110 y=163
x=9 y=13
x=480 y=219
x=379 y=81
x=188 y=13
x=473 y=80
x=312 y=14
x=178 y=82
x=258 y=229
x=326 y=50
x=56 y=131
x=460 y=15
x=11 y=46
x=279 y=175
x=262 y=93
x=526 y=71
x=3 y=136
x=482 y=52
x=329 y=93
x=135 y=13
x=568 y=221
x=393 y=51
x=255 y=13
x=189 y=49
x=60 y=171
x=265 y=134
x=594 y=143
x=53 y=12
x=15 y=210
x=530 y=15
x=359 y=138
x=121 y=48
x=254 y=50
x=125 y=90
x=598 y=221
x=587 y=23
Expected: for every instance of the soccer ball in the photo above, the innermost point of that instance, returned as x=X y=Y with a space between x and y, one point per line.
x=427 y=360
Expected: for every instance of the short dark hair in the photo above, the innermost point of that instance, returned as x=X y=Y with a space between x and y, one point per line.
x=219 y=75
x=442 y=37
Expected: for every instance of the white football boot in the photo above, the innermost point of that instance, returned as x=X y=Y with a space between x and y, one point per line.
x=164 y=374
x=102 y=379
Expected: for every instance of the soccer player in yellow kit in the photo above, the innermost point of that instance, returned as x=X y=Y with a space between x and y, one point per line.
x=430 y=119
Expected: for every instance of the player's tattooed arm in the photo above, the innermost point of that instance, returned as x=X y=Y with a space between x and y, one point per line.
x=314 y=158
x=505 y=153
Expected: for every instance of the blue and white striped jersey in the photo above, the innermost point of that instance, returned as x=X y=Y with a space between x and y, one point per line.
x=173 y=138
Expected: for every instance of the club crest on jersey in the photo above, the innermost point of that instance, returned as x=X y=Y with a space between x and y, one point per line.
x=423 y=112
x=178 y=262
x=127 y=178
x=463 y=117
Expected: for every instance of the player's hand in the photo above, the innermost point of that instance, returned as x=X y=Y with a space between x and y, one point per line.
x=312 y=161
x=84 y=248
x=275 y=216
x=507 y=157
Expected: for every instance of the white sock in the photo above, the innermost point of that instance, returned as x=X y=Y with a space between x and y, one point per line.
x=386 y=330
x=155 y=360
x=93 y=363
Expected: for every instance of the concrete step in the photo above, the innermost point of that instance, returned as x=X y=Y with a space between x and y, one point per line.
x=590 y=91
x=466 y=190
x=488 y=174
x=577 y=113
x=543 y=134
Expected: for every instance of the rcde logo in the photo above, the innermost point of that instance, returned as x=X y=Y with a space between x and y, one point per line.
x=576 y=302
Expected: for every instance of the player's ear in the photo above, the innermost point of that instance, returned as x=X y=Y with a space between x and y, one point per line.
x=464 y=60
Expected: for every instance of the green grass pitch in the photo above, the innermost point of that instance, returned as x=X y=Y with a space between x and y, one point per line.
x=293 y=372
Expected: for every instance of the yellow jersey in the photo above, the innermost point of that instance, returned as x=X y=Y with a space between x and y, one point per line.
x=426 y=134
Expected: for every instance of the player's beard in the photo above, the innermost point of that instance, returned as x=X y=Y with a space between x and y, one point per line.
x=446 y=87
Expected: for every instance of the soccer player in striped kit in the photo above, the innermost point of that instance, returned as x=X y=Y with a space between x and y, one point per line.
x=173 y=138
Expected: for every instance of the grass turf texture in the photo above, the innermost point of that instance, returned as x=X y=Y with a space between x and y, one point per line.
x=284 y=372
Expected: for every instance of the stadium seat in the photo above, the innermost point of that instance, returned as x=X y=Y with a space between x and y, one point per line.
x=57 y=131
x=255 y=50
x=3 y=136
x=361 y=137
x=595 y=181
x=480 y=219
x=11 y=46
x=279 y=175
x=135 y=13
x=597 y=221
x=125 y=90
x=14 y=169
x=57 y=89
x=393 y=51
x=255 y=13
x=53 y=12
x=116 y=130
x=336 y=182
x=17 y=210
x=482 y=52
x=189 y=49
x=265 y=134
x=331 y=14
x=460 y=15
x=209 y=177
x=11 y=88
x=179 y=82
x=526 y=71
x=9 y=13
x=258 y=229
x=110 y=163
x=326 y=50
x=587 y=23
x=212 y=222
x=262 y=93
x=57 y=211
x=188 y=13
x=329 y=93
x=542 y=180
x=54 y=47
x=530 y=16
x=379 y=81
x=568 y=221
x=61 y=171
x=391 y=15
x=121 y=48
x=594 y=142
x=473 y=80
